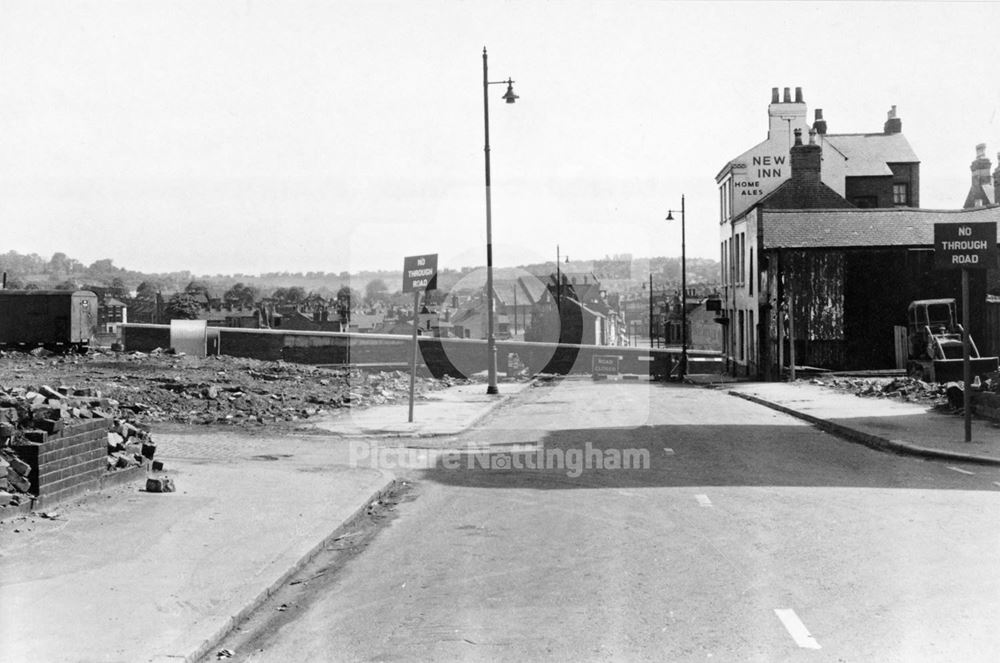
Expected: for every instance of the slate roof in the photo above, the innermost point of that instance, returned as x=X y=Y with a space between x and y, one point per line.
x=862 y=227
x=794 y=193
x=868 y=154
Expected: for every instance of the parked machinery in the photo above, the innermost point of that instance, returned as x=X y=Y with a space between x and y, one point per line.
x=936 y=343
x=56 y=319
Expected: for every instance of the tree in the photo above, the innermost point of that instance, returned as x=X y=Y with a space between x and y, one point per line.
x=68 y=284
x=375 y=291
x=347 y=300
x=182 y=306
x=102 y=266
x=59 y=264
x=118 y=289
x=196 y=287
x=148 y=289
x=292 y=296
x=241 y=295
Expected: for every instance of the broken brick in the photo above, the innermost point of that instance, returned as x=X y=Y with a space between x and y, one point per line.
x=159 y=485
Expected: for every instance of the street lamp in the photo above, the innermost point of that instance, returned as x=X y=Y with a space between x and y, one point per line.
x=684 y=310
x=491 y=342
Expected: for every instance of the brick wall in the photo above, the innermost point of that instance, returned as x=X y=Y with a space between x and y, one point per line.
x=66 y=462
x=144 y=339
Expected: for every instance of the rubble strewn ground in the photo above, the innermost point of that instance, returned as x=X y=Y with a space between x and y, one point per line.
x=41 y=391
x=900 y=388
x=903 y=388
x=146 y=388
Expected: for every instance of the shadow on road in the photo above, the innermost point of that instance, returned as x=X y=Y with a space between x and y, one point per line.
x=695 y=455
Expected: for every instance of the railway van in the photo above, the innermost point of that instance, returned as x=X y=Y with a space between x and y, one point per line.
x=56 y=319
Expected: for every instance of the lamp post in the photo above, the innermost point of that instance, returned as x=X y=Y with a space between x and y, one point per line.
x=650 y=310
x=491 y=341
x=684 y=310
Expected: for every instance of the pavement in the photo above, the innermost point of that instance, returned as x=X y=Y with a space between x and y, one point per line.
x=440 y=413
x=125 y=575
x=881 y=423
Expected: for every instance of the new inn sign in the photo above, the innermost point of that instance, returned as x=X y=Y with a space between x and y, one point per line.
x=965 y=245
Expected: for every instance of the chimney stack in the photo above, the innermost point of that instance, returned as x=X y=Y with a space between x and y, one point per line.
x=786 y=115
x=996 y=175
x=893 y=125
x=806 y=160
x=819 y=125
x=980 y=167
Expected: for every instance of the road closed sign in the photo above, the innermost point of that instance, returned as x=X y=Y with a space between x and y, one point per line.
x=965 y=245
x=606 y=364
x=420 y=272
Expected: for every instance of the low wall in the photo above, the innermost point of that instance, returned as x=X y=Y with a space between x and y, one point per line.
x=438 y=356
x=66 y=462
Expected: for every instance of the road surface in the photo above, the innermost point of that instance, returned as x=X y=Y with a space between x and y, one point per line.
x=749 y=536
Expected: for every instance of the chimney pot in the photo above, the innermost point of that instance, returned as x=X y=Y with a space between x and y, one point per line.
x=798 y=136
x=812 y=136
x=787 y=96
x=798 y=95
x=981 y=151
x=774 y=95
x=819 y=126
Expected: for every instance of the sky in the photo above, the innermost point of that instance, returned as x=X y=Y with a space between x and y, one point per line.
x=256 y=136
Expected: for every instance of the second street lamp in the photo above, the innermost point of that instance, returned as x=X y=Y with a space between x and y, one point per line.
x=684 y=310
x=491 y=341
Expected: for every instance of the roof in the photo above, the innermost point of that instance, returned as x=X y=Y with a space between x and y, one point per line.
x=868 y=154
x=528 y=291
x=863 y=227
x=794 y=192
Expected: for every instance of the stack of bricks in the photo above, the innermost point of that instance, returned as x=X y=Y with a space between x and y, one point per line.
x=66 y=461
x=54 y=444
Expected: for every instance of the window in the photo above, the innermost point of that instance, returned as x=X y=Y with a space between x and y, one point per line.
x=742 y=331
x=725 y=278
x=900 y=194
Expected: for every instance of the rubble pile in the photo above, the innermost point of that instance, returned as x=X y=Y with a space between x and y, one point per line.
x=900 y=388
x=143 y=388
x=27 y=414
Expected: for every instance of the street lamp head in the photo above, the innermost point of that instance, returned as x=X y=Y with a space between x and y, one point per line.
x=670 y=215
x=509 y=96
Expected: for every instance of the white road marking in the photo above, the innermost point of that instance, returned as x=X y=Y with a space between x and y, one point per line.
x=703 y=500
x=668 y=451
x=959 y=469
x=796 y=628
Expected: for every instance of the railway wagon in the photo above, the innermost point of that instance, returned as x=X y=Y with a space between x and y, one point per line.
x=51 y=318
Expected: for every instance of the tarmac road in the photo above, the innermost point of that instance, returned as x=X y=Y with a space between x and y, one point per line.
x=748 y=537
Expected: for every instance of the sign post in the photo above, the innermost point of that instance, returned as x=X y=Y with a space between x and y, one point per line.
x=966 y=246
x=419 y=274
